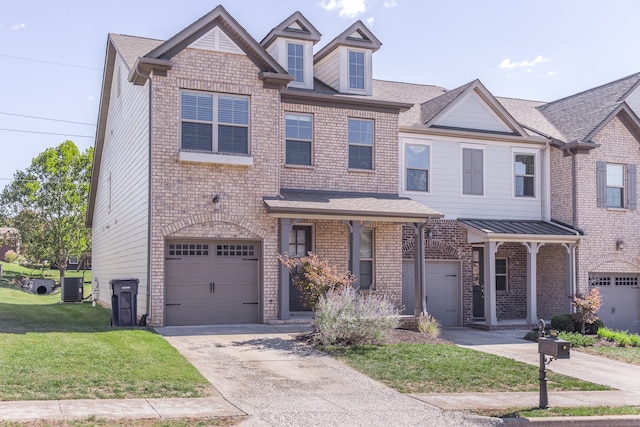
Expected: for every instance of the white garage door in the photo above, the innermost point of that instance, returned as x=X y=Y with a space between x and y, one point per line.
x=620 y=294
x=212 y=282
x=443 y=298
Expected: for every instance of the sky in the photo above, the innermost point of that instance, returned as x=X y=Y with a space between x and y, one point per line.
x=52 y=51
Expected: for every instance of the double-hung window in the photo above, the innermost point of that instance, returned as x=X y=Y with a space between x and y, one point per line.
x=416 y=162
x=298 y=130
x=524 y=169
x=356 y=70
x=366 y=259
x=472 y=171
x=215 y=122
x=501 y=274
x=360 y=143
x=615 y=185
x=295 y=61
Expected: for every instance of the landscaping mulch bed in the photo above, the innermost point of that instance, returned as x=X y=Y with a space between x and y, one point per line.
x=397 y=336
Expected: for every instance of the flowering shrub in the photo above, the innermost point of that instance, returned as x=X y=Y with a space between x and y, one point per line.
x=587 y=307
x=315 y=277
x=10 y=256
x=344 y=316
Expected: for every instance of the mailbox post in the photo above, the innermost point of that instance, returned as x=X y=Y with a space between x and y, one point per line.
x=554 y=348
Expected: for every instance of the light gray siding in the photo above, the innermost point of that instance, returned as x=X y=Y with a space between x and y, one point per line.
x=634 y=101
x=498 y=200
x=120 y=223
x=472 y=113
x=328 y=70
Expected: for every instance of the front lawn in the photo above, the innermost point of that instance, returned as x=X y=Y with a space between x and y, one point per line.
x=622 y=354
x=446 y=368
x=579 y=411
x=50 y=350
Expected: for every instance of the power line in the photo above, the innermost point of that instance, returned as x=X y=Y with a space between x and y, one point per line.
x=45 y=118
x=47 y=133
x=51 y=62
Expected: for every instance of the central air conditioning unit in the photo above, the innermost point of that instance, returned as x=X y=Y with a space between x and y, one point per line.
x=41 y=286
x=72 y=289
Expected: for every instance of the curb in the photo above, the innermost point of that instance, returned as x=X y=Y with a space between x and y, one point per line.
x=595 y=421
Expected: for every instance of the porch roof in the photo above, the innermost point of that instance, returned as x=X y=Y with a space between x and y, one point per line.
x=336 y=205
x=506 y=230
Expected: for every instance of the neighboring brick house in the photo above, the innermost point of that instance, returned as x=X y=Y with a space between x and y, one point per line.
x=596 y=141
x=216 y=152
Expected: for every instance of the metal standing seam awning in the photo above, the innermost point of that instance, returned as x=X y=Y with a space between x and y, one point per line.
x=334 y=205
x=501 y=230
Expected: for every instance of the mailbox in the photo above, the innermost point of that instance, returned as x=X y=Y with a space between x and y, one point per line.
x=556 y=348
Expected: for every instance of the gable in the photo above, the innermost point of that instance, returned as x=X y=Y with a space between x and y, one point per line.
x=472 y=112
x=216 y=40
x=633 y=101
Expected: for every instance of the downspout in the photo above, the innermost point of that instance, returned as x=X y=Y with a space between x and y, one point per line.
x=149 y=206
x=574 y=224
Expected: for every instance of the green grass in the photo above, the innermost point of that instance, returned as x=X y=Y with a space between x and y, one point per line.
x=10 y=271
x=50 y=350
x=580 y=411
x=623 y=354
x=445 y=368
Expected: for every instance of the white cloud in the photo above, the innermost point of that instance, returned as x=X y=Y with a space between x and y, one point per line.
x=347 y=8
x=506 y=63
x=17 y=26
x=390 y=3
x=370 y=21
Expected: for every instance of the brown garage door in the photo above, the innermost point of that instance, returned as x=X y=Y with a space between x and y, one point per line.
x=212 y=282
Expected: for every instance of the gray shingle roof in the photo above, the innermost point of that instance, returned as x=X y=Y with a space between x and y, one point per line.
x=578 y=116
x=131 y=48
x=412 y=93
x=431 y=108
x=527 y=114
x=347 y=205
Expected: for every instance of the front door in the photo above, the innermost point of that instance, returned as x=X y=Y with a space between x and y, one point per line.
x=478 y=283
x=300 y=246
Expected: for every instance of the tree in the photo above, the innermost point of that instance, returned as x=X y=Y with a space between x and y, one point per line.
x=47 y=203
x=587 y=307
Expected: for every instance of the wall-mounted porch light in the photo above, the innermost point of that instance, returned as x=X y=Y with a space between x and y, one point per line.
x=619 y=245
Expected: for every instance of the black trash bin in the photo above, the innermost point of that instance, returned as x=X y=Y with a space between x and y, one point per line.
x=124 y=293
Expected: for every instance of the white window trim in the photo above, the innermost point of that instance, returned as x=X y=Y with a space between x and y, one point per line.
x=304 y=60
x=403 y=166
x=624 y=187
x=484 y=170
x=373 y=145
x=214 y=157
x=536 y=178
x=311 y=165
x=344 y=71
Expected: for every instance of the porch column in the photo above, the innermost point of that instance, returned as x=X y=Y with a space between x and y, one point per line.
x=490 y=249
x=570 y=280
x=355 y=228
x=420 y=303
x=286 y=225
x=532 y=277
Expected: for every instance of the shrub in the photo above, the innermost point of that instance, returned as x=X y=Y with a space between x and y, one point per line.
x=317 y=278
x=532 y=336
x=623 y=338
x=592 y=328
x=428 y=325
x=343 y=316
x=563 y=322
x=10 y=256
x=577 y=339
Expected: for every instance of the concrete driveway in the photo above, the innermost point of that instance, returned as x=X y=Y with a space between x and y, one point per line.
x=265 y=373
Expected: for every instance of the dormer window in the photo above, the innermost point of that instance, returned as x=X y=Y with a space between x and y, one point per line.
x=356 y=70
x=295 y=61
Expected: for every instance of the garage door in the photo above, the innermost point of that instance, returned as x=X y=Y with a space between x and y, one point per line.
x=212 y=282
x=442 y=290
x=620 y=294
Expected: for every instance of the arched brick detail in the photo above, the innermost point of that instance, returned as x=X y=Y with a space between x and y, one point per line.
x=617 y=259
x=443 y=247
x=214 y=217
x=408 y=249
